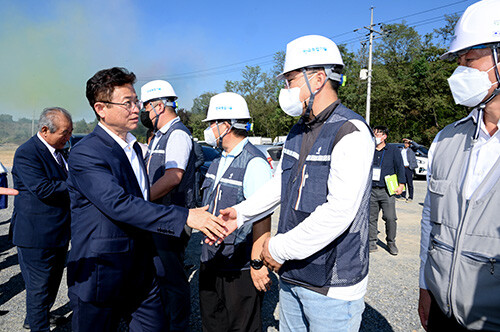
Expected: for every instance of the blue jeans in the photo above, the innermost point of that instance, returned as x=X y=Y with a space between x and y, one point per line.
x=304 y=310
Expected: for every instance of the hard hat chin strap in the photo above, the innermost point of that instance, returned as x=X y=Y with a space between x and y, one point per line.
x=482 y=105
x=155 y=124
x=305 y=117
x=221 y=136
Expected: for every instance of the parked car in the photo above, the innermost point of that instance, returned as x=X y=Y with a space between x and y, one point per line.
x=422 y=159
x=209 y=153
x=75 y=138
x=271 y=153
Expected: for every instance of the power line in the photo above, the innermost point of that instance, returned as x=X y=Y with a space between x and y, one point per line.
x=216 y=70
x=424 y=11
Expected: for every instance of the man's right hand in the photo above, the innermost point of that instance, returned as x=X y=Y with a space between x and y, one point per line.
x=424 y=306
x=212 y=226
x=229 y=215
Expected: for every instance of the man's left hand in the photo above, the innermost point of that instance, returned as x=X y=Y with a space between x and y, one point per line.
x=268 y=259
x=261 y=279
x=399 y=189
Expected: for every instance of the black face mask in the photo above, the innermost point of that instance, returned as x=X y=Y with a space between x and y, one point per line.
x=146 y=121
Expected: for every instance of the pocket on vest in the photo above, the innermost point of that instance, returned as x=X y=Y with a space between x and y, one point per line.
x=477 y=292
x=437 y=274
x=485 y=218
x=437 y=189
x=315 y=270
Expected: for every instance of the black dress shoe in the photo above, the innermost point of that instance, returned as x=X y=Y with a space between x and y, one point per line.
x=393 y=250
x=53 y=319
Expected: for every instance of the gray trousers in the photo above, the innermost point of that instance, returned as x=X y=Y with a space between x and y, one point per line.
x=380 y=200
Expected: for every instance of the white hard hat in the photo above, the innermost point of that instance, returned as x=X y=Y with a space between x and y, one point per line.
x=479 y=25
x=227 y=106
x=311 y=51
x=157 y=89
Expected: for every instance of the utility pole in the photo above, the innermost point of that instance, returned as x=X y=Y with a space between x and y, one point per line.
x=369 y=87
x=33 y=123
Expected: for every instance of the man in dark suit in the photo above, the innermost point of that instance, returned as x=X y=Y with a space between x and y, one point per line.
x=41 y=217
x=110 y=267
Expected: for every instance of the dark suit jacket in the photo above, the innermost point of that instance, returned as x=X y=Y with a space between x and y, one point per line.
x=41 y=217
x=111 y=248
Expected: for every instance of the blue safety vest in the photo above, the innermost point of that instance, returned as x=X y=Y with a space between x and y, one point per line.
x=233 y=253
x=343 y=262
x=183 y=194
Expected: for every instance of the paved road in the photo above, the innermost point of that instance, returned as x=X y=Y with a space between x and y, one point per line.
x=391 y=301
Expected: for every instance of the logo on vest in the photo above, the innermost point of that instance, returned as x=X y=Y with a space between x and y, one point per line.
x=319 y=150
x=231 y=175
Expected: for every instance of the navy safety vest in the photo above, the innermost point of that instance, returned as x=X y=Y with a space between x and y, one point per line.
x=344 y=262
x=234 y=253
x=183 y=194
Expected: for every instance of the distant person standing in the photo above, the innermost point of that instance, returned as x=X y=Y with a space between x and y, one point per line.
x=460 y=240
x=41 y=217
x=410 y=164
x=387 y=161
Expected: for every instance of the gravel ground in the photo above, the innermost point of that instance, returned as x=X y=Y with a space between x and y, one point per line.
x=391 y=301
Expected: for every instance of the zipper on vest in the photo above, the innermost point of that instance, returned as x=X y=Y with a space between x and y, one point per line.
x=304 y=177
x=481 y=259
x=438 y=244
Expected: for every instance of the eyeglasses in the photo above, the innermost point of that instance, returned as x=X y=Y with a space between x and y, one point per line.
x=288 y=81
x=128 y=105
x=458 y=54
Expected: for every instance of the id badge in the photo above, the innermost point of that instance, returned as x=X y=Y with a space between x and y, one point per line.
x=376 y=174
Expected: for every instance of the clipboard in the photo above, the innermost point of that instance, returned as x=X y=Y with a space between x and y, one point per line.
x=391 y=181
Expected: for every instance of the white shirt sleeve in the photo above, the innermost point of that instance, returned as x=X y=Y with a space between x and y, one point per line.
x=257 y=173
x=426 y=225
x=178 y=149
x=349 y=171
x=262 y=202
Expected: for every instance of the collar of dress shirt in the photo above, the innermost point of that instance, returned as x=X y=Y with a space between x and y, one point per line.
x=129 y=139
x=473 y=115
x=236 y=150
x=50 y=147
x=169 y=124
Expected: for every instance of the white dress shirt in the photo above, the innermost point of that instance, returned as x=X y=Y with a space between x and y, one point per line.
x=128 y=147
x=351 y=161
x=52 y=150
x=404 y=155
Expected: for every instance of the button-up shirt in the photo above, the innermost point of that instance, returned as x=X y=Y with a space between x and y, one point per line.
x=128 y=147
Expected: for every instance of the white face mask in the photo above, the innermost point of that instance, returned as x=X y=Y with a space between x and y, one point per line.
x=290 y=102
x=378 y=140
x=210 y=137
x=469 y=86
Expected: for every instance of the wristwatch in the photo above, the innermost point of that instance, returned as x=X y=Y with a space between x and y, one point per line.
x=256 y=264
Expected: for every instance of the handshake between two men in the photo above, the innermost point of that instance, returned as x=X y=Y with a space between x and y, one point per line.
x=217 y=228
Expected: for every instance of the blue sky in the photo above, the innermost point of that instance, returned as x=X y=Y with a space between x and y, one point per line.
x=49 y=49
